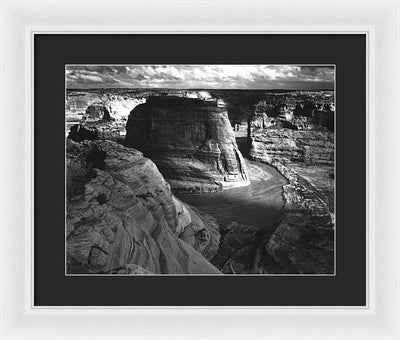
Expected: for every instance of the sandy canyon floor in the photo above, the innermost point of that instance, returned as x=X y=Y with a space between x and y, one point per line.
x=258 y=204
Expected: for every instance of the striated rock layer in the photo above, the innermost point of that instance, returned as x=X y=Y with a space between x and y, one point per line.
x=122 y=217
x=288 y=145
x=190 y=140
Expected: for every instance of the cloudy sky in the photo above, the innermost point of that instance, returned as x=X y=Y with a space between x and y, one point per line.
x=201 y=76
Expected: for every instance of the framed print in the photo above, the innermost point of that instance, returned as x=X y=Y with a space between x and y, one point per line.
x=205 y=175
x=166 y=172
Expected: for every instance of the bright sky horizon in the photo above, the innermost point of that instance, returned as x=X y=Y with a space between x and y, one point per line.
x=257 y=77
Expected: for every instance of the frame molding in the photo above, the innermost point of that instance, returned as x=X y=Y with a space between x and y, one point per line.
x=21 y=19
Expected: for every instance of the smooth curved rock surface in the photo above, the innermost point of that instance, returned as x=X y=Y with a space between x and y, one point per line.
x=120 y=211
x=190 y=140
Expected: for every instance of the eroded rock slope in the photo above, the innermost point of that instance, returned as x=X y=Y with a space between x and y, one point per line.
x=122 y=217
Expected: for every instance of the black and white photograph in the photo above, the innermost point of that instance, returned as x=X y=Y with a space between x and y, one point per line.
x=200 y=169
x=211 y=170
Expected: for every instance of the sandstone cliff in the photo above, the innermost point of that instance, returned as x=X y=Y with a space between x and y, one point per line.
x=190 y=140
x=299 y=141
x=122 y=217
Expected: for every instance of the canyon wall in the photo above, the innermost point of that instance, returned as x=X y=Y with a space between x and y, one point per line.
x=122 y=217
x=305 y=157
x=296 y=140
x=190 y=140
x=240 y=104
x=303 y=242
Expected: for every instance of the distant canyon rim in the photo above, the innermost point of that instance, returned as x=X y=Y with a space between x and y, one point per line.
x=210 y=182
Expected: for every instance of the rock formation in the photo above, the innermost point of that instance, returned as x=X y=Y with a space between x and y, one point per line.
x=305 y=158
x=288 y=145
x=97 y=123
x=97 y=130
x=97 y=112
x=129 y=269
x=299 y=246
x=122 y=217
x=190 y=140
x=296 y=246
x=238 y=247
x=303 y=243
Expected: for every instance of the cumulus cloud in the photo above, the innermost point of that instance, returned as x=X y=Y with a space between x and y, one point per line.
x=297 y=77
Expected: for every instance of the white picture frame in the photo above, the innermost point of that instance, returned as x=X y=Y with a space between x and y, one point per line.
x=378 y=19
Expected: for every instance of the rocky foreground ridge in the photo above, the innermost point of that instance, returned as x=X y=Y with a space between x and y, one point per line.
x=122 y=217
x=190 y=140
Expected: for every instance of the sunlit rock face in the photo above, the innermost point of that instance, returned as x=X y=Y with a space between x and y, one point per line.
x=122 y=217
x=190 y=140
x=289 y=145
x=118 y=102
x=97 y=123
x=97 y=105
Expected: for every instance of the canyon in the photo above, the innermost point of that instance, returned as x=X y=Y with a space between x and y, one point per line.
x=200 y=182
x=302 y=150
